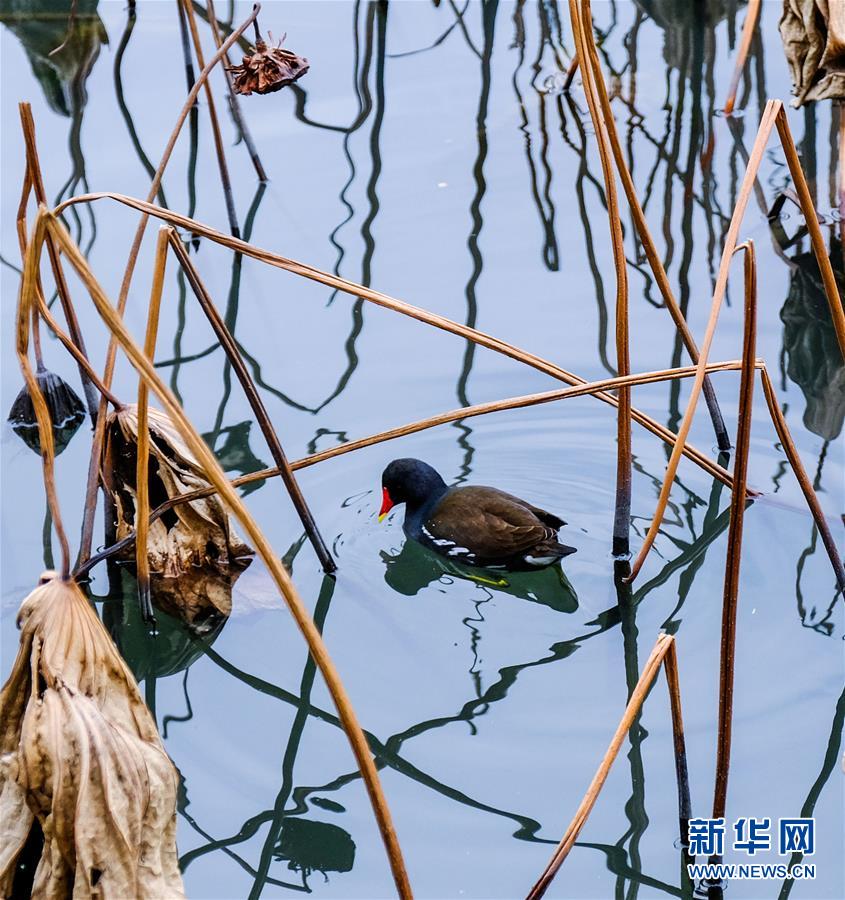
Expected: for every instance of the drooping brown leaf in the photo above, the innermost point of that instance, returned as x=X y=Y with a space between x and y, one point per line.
x=267 y=69
x=813 y=34
x=80 y=752
x=194 y=552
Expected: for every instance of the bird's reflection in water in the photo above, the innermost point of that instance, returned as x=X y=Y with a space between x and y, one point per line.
x=416 y=567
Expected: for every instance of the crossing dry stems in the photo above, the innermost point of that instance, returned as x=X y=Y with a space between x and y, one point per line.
x=192 y=226
x=142 y=462
x=582 y=26
x=734 y=554
x=663 y=654
x=256 y=404
x=584 y=33
x=203 y=454
x=111 y=352
x=773 y=116
x=48 y=231
x=455 y=415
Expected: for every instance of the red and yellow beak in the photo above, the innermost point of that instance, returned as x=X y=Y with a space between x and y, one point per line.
x=386 y=504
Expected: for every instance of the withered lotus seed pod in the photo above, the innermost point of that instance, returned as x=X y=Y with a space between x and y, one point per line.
x=267 y=69
x=66 y=412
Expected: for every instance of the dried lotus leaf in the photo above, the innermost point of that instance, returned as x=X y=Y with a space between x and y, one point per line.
x=80 y=751
x=195 y=535
x=267 y=69
x=813 y=34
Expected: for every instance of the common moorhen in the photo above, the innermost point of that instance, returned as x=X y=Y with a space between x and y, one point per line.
x=479 y=526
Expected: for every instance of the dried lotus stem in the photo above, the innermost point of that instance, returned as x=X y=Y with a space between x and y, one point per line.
x=29 y=286
x=734 y=555
x=234 y=103
x=111 y=352
x=647 y=241
x=751 y=16
x=415 y=312
x=142 y=464
x=33 y=166
x=258 y=408
x=222 y=165
x=464 y=412
x=206 y=458
x=766 y=126
x=834 y=301
x=657 y=657
x=582 y=22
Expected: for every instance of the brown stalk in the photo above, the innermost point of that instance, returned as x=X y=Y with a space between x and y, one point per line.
x=35 y=179
x=751 y=16
x=464 y=412
x=29 y=282
x=647 y=242
x=670 y=667
x=222 y=165
x=43 y=311
x=834 y=301
x=582 y=22
x=766 y=126
x=806 y=484
x=379 y=299
x=111 y=352
x=652 y=667
x=234 y=102
x=734 y=557
x=217 y=477
x=142 y=461
x=259 y=410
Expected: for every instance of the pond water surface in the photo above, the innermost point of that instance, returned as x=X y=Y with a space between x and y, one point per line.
x=430 y=153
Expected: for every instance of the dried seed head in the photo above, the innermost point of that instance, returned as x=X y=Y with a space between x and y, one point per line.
x=268 y=69
x=66 y=412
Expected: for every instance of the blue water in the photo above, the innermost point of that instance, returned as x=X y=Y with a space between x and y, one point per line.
x=424 y=155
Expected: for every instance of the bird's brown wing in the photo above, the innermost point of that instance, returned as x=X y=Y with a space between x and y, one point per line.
x=493 y=524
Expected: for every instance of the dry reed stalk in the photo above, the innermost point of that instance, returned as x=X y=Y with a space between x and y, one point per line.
x=804 y=481
x=257 y=405
x=142 y=461
x=234 y=102
x=734 y=555
x=834 y=301
x=28 y=288
x=33 y=168
x=582 y=22
x=379 y=299
x=652 y=667
x=646 y=240
x=111 y=352
x=219 y=150
x=766 y=125
x=43 y=311
x=751 y=16
x=113 y=320
x=464 y=412
x=670 y=667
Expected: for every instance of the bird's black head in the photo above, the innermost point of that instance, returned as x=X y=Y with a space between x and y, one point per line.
x=409 y=481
